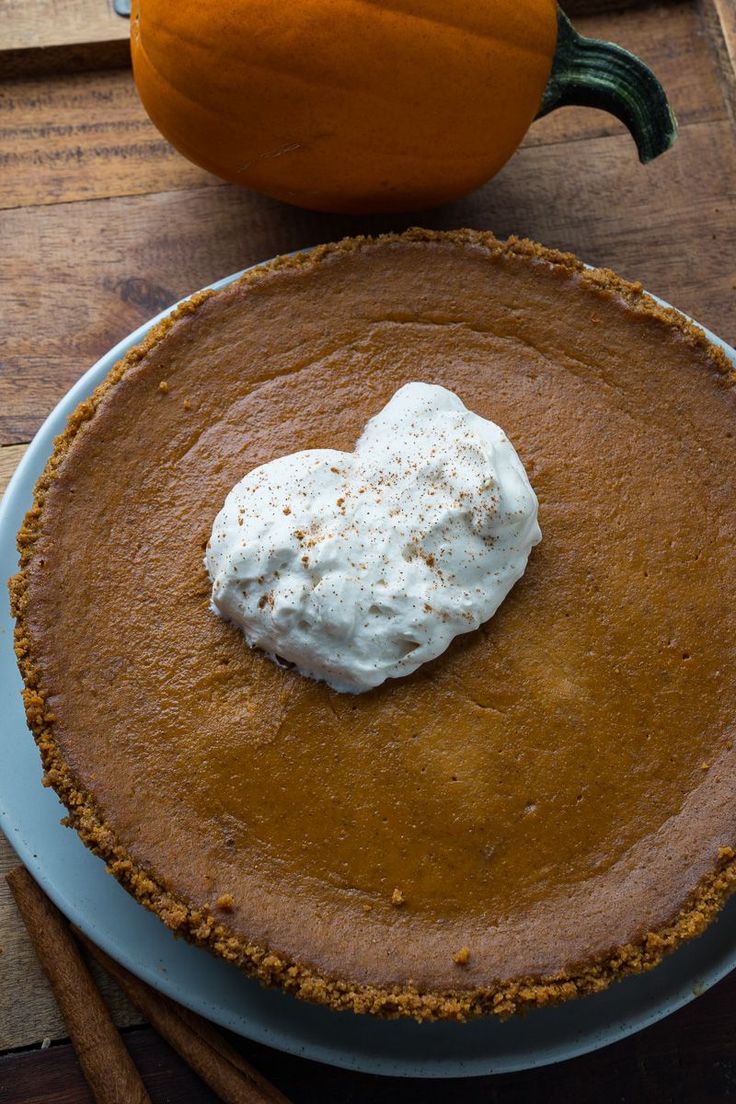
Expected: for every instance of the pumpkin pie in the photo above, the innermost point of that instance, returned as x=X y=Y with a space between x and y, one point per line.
x=549 y=805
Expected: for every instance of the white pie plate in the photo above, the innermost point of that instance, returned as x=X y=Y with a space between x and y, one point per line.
x=80 y=886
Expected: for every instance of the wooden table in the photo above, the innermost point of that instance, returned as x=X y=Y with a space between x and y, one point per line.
x=102 y=224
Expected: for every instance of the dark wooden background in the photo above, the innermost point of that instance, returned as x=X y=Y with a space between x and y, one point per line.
x=102 y=224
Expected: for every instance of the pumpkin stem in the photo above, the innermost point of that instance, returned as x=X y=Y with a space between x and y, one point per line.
x=591 y=73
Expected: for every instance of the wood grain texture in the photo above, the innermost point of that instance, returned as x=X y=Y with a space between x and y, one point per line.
x=53 y=1076
x=726 y=12
x=83 y=137
x=10 y=457
x=44 y=23
x=47 y=36
x=87 y=136
x=719 y=19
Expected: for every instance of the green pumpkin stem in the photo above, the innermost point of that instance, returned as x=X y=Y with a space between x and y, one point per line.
x=591 y=73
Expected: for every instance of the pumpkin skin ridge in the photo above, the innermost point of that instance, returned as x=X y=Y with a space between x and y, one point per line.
x=291 y=74
x=162 y=76
x=397 y=155
x=297 y=77
x=444 y=23
x=432 y=135
x=491 y=37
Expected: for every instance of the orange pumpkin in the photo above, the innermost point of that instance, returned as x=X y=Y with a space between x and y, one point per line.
x=345 y=105
x=349 y=105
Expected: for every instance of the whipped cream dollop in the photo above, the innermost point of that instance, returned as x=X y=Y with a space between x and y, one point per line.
x=360 y=566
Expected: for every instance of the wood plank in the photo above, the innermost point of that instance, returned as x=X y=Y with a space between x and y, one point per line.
x=719 y=18
x=10 y=457
x=46 y=36
x=80 y=137
x=85 y=136
x=38 y=1077
x=28 y=1010
x=671 y=224
x=46 y=23
x=74 y=138
x=726 y=12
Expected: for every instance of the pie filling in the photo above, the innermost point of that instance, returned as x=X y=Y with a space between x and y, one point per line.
x=554 y=794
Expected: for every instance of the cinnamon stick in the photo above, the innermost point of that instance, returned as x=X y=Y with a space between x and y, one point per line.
x=105 y=1062
x=197 y=1041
